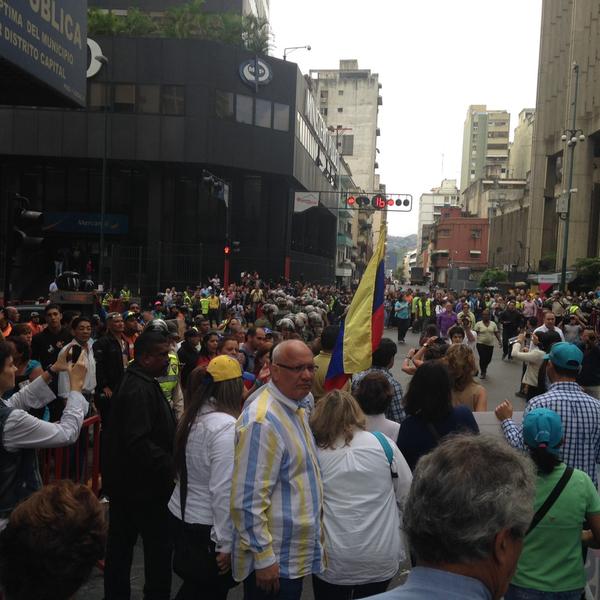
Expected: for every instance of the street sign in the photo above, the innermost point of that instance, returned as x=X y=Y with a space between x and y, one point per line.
x=46 y=42
x=562 y=203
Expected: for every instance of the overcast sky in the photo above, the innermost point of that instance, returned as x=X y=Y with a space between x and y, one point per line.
x=434 y=59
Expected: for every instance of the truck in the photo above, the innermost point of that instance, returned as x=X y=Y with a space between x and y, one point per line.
x=417 y=276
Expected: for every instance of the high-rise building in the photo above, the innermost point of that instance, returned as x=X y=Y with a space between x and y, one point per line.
x=260 y=8
x=349 y=100
x=519 y=160
x=485 y=145
x=569 y=35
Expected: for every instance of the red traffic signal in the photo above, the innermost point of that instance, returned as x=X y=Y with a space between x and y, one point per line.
x=227 y=250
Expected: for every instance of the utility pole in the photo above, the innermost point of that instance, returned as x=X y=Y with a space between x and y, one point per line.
x=573 y=135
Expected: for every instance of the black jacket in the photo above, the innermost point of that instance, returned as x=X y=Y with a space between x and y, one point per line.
x=108 y=354
x=188 y=357
x=139 y=441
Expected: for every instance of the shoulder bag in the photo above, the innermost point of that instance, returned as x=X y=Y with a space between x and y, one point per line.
x=550 y=500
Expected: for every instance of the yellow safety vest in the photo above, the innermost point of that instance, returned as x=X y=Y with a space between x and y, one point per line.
x=168 y=382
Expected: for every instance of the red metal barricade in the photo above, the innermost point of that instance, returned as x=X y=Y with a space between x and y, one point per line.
x=79 y=462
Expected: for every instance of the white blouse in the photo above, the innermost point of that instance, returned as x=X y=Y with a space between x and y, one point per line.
x=209 y=458
x=362 y=510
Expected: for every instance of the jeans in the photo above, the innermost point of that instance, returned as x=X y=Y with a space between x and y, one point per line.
x=485 y=356
x=289 y=589
x=330 y=591
x=518 y=593
x=127 y=520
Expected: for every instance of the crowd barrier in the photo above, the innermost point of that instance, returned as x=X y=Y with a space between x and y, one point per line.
x=79 y=462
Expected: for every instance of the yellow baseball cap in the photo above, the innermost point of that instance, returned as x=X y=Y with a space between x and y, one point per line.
x=223 y=368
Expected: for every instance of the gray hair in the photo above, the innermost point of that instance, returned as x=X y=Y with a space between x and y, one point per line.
x=463 y=494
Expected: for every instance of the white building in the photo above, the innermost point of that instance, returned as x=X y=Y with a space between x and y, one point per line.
x=430 y=205
x=349 y=100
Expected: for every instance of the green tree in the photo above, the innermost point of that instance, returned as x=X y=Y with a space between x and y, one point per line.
x=185 y=21
x=491 y=277
x=138 y=23
x=102 y=22
x=588 y=270
x=256 y=34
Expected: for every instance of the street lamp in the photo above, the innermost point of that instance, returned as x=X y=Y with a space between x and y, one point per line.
x=102 y=59
x=571 y=137
x=292 y=48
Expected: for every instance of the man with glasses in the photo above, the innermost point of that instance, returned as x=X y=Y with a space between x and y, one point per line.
x=276 y=495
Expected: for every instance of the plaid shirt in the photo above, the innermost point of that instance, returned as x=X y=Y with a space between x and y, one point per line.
x=395 y=411
x=580 y=415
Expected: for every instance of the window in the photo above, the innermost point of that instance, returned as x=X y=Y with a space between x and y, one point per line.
x=324 y=95
x=443 y=233
x=323 y=111
x=243 y=109
x=262 y=113
x=340 y=110
x=148 y=99
x=173 y=100
x=340 y=92
x=124 y=97
x=476 y=233
x=281 y=116
x=224 y=104
x=347 y=145
x=97 y=96
x=472 y=171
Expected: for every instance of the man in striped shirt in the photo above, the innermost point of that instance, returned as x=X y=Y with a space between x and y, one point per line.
x=276 y=493
x=579 y=412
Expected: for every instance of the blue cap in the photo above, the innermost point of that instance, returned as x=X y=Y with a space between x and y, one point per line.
x=542 y=428
x=565 y=356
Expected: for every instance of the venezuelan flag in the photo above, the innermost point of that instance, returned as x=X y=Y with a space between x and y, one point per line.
x=362 y=328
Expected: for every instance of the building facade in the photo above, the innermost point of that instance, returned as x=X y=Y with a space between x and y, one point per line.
x=165 y=112
x=459 y=241
x=570 y=34
x=519 y=158
x=485 y=144
x=349 y=99
x=430 y=207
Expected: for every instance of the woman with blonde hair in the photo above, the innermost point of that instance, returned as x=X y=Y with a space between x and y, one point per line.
x=362 y=536
x=465 y=391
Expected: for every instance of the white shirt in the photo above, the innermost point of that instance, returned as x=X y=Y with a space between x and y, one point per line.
x=89 y=385
x=386 y=426
x=22 y=430
x=544 y=329
x=362 y=511
x=209 y=459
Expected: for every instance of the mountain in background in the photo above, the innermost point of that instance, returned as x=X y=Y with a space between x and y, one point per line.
x=397 y=247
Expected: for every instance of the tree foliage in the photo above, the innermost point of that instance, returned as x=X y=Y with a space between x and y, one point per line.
x=185 y=21
x=588 y=270
x=491 y=277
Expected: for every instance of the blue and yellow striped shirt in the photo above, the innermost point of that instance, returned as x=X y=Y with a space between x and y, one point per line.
x=276 y=492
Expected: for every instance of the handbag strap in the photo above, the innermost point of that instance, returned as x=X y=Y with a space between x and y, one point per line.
x=551 y=499
x=389 y=453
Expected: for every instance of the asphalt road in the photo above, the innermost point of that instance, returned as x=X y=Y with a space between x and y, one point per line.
x=502 y=382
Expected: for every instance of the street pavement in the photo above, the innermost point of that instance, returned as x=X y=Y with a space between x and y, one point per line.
x=502 y=382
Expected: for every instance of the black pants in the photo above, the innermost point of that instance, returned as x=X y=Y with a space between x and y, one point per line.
x=402 y=328
x=330 y=591
x=506 y=347
x=485 y=356
x=213 y=315
x=127 y=520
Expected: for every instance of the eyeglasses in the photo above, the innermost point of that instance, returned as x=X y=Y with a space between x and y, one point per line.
x=299 y=369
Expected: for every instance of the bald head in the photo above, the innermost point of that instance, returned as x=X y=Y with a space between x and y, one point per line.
x=292 y=369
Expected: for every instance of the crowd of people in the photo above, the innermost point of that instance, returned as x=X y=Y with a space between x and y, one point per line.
x=223 y=449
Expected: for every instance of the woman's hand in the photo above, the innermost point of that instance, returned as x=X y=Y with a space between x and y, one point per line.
x=62 y=362
x=77 y=372
x=224 y=562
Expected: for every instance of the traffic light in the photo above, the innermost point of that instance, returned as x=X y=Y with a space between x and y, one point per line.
x=227 y=250
x=236 y=247
x=27 y=228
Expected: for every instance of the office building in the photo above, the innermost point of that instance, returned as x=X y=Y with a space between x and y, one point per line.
x=569 y=35
x=485 y=145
